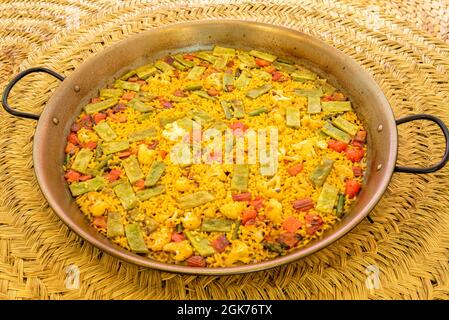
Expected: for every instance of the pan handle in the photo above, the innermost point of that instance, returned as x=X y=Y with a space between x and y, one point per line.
x=11 y=84
x=443 y=127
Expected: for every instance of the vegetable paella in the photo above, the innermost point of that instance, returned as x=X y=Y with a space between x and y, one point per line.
x=124 y=173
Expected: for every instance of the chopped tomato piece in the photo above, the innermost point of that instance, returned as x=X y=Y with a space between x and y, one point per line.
x=291 y=224
x=257 y=203
x=75 y=127
x=355 y=154
x=238 y=126
x=100 y=222
x=270 y=69
x=196 y=261
x=177 y=237
x=293 y=171
x=140 y=184
x=72 y=176
x=327 y=98
x=91 y=145
x=277 y=76
x=70 y=148
x=163 y=153
x=99 y=117
x=141 y=82
x=189 y=56
x=313 y=223
x=262 y=62
x=352 y=188
x=153 y=144
x=220 y=243
x=247 y=215
x=212 y=92
x=179 y=93
x=113 y=175
x=230 y=64
x=119 y=107
x=86 y=121
x=230 y=87
x=303 y=204
x=73 y=138
x=358 y=172
x=337 y=146
x=166 y=104
x=360 y=136
x=95 y=100
x=85 y=177
x=338 y=96
x=129 y=95
x=124 y=154
x=242 y=196
x=169 y=60
x=289 y=239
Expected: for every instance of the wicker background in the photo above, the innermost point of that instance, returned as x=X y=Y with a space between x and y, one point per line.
x=402 y=43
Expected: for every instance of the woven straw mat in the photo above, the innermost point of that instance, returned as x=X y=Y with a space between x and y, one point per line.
x=405 y=247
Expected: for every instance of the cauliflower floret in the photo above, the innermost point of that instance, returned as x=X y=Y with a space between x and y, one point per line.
x=322 y=144
x=344 y=172
x=191 y=220
x=182 y=250
x=173 y=131
x=273 y=211
x=183 y=184
x=306 y=148
x=239 y=252
x=232 y=210
x=217 y=171
x=145 y=155
x=97 y=207
x=159 y=238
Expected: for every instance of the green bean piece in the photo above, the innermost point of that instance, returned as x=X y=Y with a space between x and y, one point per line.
x=128 y=75
x=246 y=60
x=228 y=80
x=284 y=67
x=268 y=168
x=343 y=124
x=200 y=244
x=103 y=163
x=340 y=205
x=195 y=73
x=263 y=55
x=223 y=51
x=148 y=193
x=126 y=195
x=114 y=225
x=239 y=108
x=193 y=86
x=179 y=58
x=312 y=92
x=195 y=199
x=142 y=134
x=163 y=121
x=179 y=66
x=292 y=117
x=243 y=80
x=259 y=91
x=104 y=130
x=335 y=133
x=235 y=233
x=216 y=225
x=303 y=76
x=319 y=175
x=257 y=111
x=220 y=126
x=94 y=184
x=285 y=61
x=226 y=105
x=204 y=94
x=221 y=62
x=135 y=238
x=138 y=105
x=100 y=106
x=336 y=106
x=206 y=57
x=313 y=104
x=126 y=85
x=146 y=71
x=240 y=178
x=265 y=76
x=163 y=66
x=328 y=89
x=111 y=93
x=200 y=116
x=156 y=171
x=274 y=247
x=115 y=146
x=145 y=97
x=144 y=116
x=132 y=169
x=185 y=123
x=82 y=160
x=327 y=199
x=98 y=152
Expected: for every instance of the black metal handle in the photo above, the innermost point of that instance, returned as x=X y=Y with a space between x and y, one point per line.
x=11 y=84
x=443 y=127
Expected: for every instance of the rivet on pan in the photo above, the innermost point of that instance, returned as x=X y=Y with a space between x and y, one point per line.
x=380 y=128
x=76 y=88
x=379 y=166
x=55 y=121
